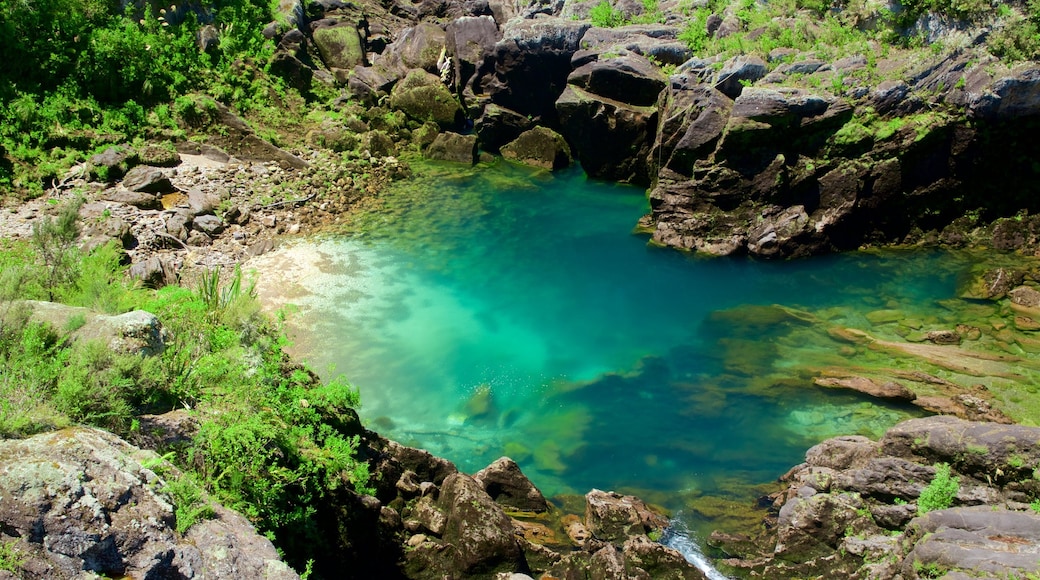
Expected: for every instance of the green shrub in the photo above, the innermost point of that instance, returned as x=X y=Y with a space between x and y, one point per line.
x=606 y=16
x=940 y=493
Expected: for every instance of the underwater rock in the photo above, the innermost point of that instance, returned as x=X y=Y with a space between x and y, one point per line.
x=481 y=404
x=885 y=390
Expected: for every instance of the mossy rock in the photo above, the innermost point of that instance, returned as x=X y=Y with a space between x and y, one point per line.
x=423 y=98
x=340 y=46
x=539 y=147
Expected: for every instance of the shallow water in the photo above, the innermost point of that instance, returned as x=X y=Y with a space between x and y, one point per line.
x=505 y=312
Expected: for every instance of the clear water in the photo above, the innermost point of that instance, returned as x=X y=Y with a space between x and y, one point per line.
x=505 y=312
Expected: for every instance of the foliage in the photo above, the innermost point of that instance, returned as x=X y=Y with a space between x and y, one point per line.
x=940 y=493
x=273 y=442
x=11 y=559
x=1017 y=40
x=606 y=16
x=81 y=73
x=54 y=240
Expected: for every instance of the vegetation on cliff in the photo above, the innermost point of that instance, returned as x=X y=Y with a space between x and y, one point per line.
x=80 y=75
x=272 y=440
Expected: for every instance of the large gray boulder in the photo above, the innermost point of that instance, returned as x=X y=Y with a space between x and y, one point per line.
x=980 y=540
x=82 y=501
x=136 y=332
x=469 y=40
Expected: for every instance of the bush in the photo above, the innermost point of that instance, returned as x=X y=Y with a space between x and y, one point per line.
x=940 y=493
x=606 y=16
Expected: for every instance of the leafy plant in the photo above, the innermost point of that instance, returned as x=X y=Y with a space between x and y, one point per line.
x=11 y=559
x=940 y=493
x=54 y=240
x=606 y=16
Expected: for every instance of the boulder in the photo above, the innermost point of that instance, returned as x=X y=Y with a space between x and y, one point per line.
x=423 y=97
x=453 y=147
x=159 y=155
x=368 y=84
x=147 y=179
x=739 y=70
x=112 y=163
x=377 y=143
x=133 y=198
x=539 y=147
x=779 y=107
x=985 y=450
x=80 y=501
x=868 y=386
x=979 y=540
x=152 y=272
x=292 y=70
x=527 y=69
x=179 y=224
x=612 y=139
x=612 y=517
x=850 y=451
x=419 y=47
x=340 y=46
x=693 y=115
x=201 y=202
x=478 y=531
x=210 y=225
x=509 y=487
x=497 y=126
x=657 y=41
x=469 y=40
x=136 y=332
x=629 y=78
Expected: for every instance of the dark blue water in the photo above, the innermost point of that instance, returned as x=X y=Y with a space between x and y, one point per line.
x=505 y=312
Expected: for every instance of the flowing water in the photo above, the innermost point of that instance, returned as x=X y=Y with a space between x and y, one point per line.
x=507 y=312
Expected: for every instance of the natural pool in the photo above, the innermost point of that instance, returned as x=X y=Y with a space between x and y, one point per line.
x=501 y=311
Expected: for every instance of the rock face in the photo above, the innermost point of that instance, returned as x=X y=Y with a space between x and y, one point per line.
x=79 y=500
x=457 y=526
x=778 y=171
x=856 y=506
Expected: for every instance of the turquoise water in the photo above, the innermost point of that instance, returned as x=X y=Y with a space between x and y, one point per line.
x=505 y=312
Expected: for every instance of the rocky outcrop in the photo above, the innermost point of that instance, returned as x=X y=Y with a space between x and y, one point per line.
x=497 y=522
x=857 y=507
x=608 y=111
x=83 y=501
x=781 y=171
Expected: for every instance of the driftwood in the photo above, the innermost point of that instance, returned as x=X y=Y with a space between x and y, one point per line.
x=289 y=203
x=171 y=238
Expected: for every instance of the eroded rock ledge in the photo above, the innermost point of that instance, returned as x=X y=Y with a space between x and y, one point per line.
x=82 y=499
x=853 y=507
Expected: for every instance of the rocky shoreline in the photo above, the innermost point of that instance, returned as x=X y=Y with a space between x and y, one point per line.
x=780 y=155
